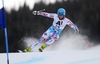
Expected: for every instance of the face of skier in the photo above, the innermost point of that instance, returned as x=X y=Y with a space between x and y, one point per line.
x=61 y=17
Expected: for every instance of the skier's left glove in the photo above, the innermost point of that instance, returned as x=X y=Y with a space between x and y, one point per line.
x=77 y=31
x=36 y=12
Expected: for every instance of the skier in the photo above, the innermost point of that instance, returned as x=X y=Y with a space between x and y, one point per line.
x=52 y=34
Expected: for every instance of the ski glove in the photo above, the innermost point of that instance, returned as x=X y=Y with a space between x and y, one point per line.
x=36 y=12
x=77 y=31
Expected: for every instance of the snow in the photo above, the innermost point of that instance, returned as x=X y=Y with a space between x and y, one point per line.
x=71 y=50
x=89 y=56
x=16 y=4
x=1 y=5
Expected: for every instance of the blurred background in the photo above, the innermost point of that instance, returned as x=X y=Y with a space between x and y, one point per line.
x=22 y=23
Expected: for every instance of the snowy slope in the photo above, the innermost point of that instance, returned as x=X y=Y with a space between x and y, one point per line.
x=89 y=56
x=74 y=49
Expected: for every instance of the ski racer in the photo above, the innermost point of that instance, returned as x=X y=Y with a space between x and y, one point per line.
x=53 y=33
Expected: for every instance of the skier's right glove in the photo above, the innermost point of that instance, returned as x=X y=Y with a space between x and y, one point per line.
x=36 y=12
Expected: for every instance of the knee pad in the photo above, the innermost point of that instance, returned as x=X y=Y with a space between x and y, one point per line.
x=42 y=39
x=55 y=36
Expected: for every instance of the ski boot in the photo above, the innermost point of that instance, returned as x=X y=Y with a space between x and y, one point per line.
x=28 y=49
x=42 y=47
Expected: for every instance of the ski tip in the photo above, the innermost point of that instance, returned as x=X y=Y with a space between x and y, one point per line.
x=20 y=51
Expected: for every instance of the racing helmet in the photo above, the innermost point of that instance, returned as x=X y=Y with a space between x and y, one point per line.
x=61 y=11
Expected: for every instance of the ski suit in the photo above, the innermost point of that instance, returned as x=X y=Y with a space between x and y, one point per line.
x=52 y=34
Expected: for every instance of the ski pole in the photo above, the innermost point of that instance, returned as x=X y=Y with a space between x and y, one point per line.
x=41 y=10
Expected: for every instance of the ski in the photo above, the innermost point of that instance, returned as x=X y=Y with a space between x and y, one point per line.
x=20 y=51
x=39 y=50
